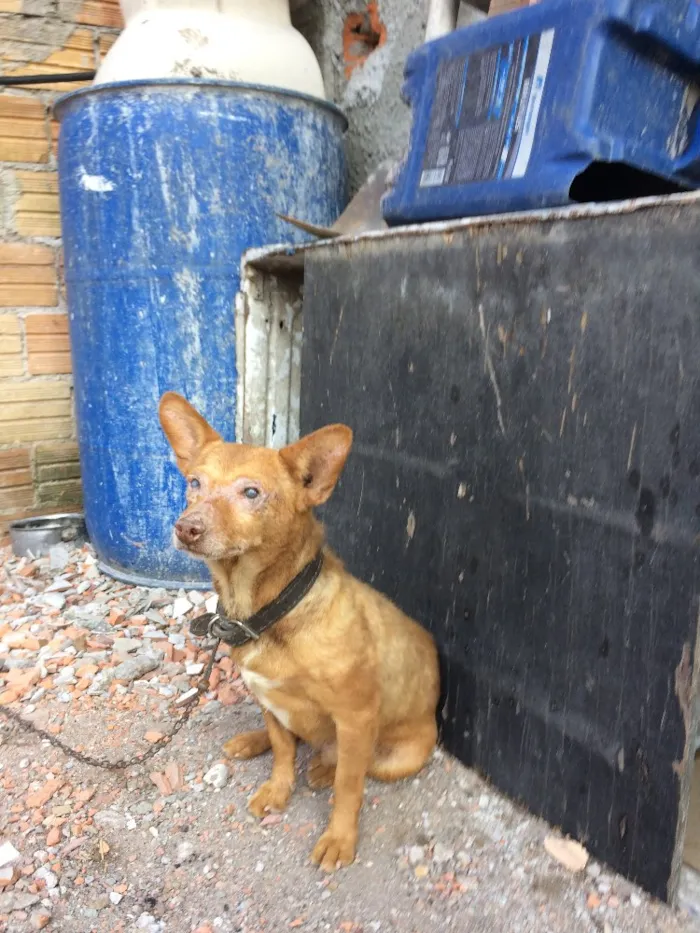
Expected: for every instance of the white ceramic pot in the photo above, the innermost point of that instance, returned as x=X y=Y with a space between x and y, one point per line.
x=252 y=41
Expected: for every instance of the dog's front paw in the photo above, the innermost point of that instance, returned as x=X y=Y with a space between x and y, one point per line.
x=270 y=796
x=334 y=850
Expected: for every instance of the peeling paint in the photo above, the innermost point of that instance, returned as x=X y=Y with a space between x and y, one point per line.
x=684 y=685
x=95 y=182
x=491 y=370
x=411 y=526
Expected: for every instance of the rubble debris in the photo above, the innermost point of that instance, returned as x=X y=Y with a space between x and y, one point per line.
x=171 y=847
x=567 y=852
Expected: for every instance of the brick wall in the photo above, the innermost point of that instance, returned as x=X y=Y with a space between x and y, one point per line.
x=38 y=453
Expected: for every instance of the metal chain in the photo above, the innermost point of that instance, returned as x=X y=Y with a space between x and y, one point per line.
x=121 y=763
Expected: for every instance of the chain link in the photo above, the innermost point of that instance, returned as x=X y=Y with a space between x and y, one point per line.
x=121 y=763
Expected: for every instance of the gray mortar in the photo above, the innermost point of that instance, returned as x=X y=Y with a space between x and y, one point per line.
x=379 y=120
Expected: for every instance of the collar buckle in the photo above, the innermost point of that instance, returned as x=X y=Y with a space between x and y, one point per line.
x=222 y=627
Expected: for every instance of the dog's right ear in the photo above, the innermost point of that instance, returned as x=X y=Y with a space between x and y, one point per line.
x=185 y=428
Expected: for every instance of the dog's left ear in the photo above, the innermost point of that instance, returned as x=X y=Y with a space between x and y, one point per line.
x=317 y=460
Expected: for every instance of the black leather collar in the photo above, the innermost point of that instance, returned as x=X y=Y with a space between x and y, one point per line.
x=237 y=633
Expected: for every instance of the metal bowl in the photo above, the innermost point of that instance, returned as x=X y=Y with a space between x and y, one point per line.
x=32 y=537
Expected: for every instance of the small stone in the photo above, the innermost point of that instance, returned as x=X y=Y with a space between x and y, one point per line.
x=115 y=897
x=54 y=837
x=131 y=670
x=421 y=871
x=162 y=783
x=149 y=923
x=59 y=557
x=484 y=801
x=186 y=697
x=567 y=852
x=185 y=851
x=101 y=682
x=153 y=736
x=99 y=626
x=592 y=901
x=48 y=877
x=607 y=927
x=175 y=775
x=109 y=819
x=100 y=903
x=613 y=901
x=65 y=677
x=635 y=900
x=40 y=918
x=211 y=709
x=211 y=604
x=593 y=870
x=8 y=854
x=442 y=854
x=196 y=598
x=17 y=901
x=159 y=597
x=272 y=819
x=416 y=854
x=8 y=876
x=193 y=669
x=126 y=647
x=181 y=607
x=53 y=600
x=42 y=796
x=217 y=777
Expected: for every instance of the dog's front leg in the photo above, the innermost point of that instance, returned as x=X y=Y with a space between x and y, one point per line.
x=355 y=742
x=275 y=793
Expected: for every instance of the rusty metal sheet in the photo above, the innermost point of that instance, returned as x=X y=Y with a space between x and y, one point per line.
x=526 y=483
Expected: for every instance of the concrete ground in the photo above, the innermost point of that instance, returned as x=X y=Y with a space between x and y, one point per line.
x=170 y=847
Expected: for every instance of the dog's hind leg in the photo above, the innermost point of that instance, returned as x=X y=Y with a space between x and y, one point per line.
x=248 y=744
x=403 y=752
x=321 y=770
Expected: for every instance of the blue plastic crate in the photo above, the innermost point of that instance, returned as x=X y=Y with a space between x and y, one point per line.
x=568 y=100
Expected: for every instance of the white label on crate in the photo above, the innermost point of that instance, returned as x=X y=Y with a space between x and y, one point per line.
x=533 y=105
x=485 y=111
x=432 y=177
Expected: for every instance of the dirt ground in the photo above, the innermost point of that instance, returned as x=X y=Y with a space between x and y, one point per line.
x=170 y=846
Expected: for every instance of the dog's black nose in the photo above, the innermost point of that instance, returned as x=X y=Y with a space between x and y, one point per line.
x=189 y=529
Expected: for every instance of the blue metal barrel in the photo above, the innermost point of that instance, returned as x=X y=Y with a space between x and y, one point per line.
x=164 y=185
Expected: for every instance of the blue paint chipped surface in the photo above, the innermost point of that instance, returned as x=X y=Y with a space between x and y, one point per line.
x=163 y=186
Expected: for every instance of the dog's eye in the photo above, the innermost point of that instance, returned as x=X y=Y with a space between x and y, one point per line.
x=250 y=492
x=194 y=483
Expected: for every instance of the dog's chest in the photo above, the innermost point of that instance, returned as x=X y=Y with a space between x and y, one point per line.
x=261 y=687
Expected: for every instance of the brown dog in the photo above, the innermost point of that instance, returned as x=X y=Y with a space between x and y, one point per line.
x=345 y=670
